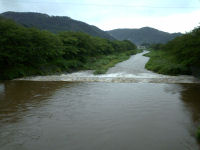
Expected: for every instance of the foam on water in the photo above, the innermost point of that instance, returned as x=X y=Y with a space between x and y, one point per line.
x=2 y=88
x=87 y=76
x=131 y=70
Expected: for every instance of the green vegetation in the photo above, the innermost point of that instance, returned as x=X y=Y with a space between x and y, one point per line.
x=103 y=63
x=198 y=134
x=163 y=63
x=29 y=51
x=54 y=24
x=179 y=56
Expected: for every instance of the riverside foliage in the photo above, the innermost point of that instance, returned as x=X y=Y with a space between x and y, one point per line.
x=179 y=56
x=198 y=134
x=29 y=51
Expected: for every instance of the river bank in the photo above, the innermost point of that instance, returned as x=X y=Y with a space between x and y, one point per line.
x=163 y=63
x=129 y=71
x=30 y=51
x=100 y=65
x=178 y=56
x=121 y=109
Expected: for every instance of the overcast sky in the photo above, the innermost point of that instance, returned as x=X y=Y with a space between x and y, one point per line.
x=167 y=15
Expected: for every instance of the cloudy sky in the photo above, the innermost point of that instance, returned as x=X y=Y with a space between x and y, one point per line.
x=167 y=15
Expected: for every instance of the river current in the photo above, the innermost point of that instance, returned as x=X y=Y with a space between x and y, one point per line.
x=128 y=108
x=133 y=70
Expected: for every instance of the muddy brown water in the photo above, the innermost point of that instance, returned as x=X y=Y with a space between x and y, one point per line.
x=36 y=114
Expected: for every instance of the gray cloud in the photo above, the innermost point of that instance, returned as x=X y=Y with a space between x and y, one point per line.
x=115 y=13
x=9 y=3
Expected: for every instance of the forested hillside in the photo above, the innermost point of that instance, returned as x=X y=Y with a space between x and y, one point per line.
x=143 y=35
x=54 y=24
x=30 y=51
x=179 y=56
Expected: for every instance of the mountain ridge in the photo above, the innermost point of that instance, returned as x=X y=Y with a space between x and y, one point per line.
x=143 y=35
x=64 y=23
x=54 y=23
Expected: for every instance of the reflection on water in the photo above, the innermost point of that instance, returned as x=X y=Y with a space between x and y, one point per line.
x=87 y=116
x=18 y=97
x=190 y=95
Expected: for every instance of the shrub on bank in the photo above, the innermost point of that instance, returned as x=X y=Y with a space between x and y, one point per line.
x=161 y=62
x=178 y=56
x=198 y=134
x=103 y=63
x=29 y=51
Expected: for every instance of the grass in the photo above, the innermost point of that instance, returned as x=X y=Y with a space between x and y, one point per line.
x=101 y=64
x=163 y=63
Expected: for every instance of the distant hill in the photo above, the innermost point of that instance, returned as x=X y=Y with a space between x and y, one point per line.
x=54 y=23
x=143 y=35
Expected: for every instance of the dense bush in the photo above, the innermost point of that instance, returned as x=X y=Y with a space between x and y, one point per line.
x=178 y=56
x=156 y=46
x=198 y=134
x=29 y=51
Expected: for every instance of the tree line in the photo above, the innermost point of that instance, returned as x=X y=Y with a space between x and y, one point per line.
x=30 y=51
x=54 y=24
x=179 y=56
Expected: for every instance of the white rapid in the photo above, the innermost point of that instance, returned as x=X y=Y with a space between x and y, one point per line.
x=131 y=70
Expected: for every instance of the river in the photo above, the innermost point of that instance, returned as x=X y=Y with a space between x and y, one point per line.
x=128 y=108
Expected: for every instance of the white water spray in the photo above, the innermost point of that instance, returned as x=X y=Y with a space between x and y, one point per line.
x=132 y=70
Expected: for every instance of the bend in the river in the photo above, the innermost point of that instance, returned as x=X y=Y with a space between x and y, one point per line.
x=131 y=70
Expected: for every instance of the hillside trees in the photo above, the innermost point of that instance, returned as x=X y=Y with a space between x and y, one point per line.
x=29 y=51
x=178 y=56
